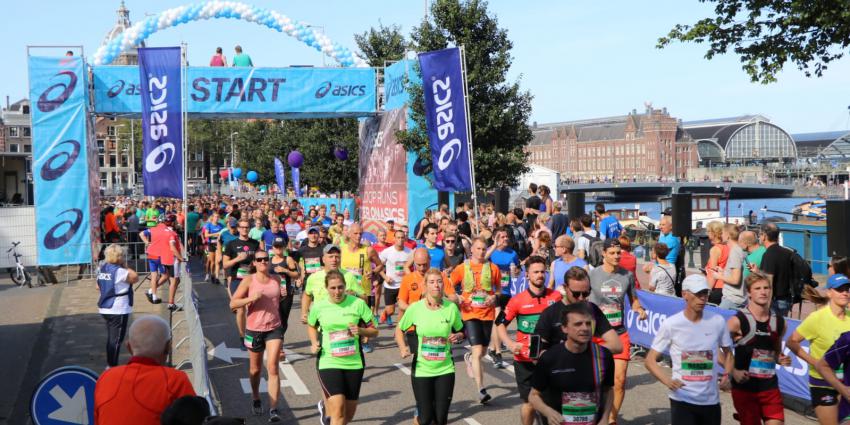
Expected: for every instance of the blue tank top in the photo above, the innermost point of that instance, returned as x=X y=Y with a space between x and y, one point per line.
x=106 y=278
x=561 y=269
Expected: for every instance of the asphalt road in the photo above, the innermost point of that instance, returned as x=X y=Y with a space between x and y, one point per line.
x=386 y=396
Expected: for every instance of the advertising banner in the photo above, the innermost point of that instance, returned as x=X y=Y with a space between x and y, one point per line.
x=445 y=117
x=296 y=181
x=162 y=121
x=793 y=379
x=280 y=175
x=229 y=92
x=60 y=166
x=383 y=177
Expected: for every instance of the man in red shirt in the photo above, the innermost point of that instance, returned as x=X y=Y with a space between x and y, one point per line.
x=142 y=389
x=163 y=249
x=526 y=307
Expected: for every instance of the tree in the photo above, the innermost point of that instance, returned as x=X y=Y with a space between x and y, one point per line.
x=499 y=109
x=768 y=33
x=381 y=45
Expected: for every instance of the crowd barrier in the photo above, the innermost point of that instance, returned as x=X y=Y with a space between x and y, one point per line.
x=793 y=379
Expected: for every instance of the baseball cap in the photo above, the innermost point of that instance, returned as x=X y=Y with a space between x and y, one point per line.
x=330 y=247
x=313 y=229
x=279 y=242
x=608 y=243
x=836 y=281
x=232 y=222
x=695 y=284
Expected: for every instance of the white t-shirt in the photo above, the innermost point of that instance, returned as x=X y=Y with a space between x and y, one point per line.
x=583 y=243
x=663 y=278
x=121 y=305
x=694 y=349
x=394 y=260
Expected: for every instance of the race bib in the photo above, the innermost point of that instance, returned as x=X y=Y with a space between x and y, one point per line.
x=283 y=290
x=763 y=364
x=356 y=272
x=434 y=348
x=526 y=323
x=399 y=269
x=613 y=313
x=249 y=341
x=479 y=300
x=697 y=365
x=578 y=408
x=242 y=272
x=506 y=280
x=342 y=343
x=839 y=373
x=312 y=265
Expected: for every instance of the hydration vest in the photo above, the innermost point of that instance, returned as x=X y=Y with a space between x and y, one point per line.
x=486 y=279
x=106 y=276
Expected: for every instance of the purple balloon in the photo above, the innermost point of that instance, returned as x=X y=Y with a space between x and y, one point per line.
x=295 y=159
x=341 y=153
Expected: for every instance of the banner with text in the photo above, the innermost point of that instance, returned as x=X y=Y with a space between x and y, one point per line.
x=445 y=117
x=793 y=380
x=162 y=121
x=60 y=168
x=220 y=91
x=383 y=177
x=280 y=175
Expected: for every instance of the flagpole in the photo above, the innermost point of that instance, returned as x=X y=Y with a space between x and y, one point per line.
x=469 y=136
x=185 y=145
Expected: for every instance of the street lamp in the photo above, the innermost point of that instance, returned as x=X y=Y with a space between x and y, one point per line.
x=232 y=156
x=727 y=189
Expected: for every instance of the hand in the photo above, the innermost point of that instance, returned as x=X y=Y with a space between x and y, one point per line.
x=456 y=338
x=674 y=384
x=353 y=329
x=315 y=347
x=405 y=352
x=304 y=318
x=740 y=376
x=514 y=347
x=752 y=267
x=242 y=256
x=642 y=314
x=256 y=297
x=490 y=301
x=554 y=418
x=784 y=360
x=725 y=384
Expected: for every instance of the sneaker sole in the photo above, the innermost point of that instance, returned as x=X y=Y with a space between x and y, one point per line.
x=485 y=399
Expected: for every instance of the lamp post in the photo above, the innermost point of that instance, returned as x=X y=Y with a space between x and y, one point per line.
x=727 y=189
x=232 y=155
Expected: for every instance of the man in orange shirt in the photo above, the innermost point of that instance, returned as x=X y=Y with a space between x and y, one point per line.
x=413 y=286
x=143 y=388
x=479 y=280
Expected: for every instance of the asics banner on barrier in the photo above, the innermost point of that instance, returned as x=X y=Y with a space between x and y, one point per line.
x=793 y=379
x=300 y=92
x=162 y=121
x=60 y=166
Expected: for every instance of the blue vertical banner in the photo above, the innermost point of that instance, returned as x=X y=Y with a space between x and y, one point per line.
x=445 y=117
x=296 y=181
x=162 y=121
x=60 y=166
x=280 y=175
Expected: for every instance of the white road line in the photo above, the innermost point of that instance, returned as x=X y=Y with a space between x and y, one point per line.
x=471 y=421
x=289 y=378
x=402 y=368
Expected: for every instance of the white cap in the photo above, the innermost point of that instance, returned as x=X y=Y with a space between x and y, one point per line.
x=695 y=283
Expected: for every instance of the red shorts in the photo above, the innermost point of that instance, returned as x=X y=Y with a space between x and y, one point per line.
x=755 y=407
x=627 y=346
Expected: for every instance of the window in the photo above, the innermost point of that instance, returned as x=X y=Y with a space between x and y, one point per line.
x=28 y=148
x=26 y=109
x=113 y=160
x=13 y=147
x=13 y=132
x=110 y=130
x=100 y=145
x=100 y=160
x=27 y=132
x=125 y=160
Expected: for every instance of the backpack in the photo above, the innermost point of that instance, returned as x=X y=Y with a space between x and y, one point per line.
x=776 y=324
x=801 y=275
x=520 y=242
x=595 y=249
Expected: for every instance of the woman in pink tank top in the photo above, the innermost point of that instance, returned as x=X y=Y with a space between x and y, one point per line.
x=260 y=293
x=218 y=58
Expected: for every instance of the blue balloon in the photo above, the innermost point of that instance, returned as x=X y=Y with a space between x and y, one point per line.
x=252 y=176
x=237 y=172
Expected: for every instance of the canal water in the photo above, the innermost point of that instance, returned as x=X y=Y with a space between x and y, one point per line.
x=778 y=207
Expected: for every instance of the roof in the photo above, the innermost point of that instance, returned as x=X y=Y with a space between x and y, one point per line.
x=720 y=130
x=725 y=121
x=542 y=137
x=819 y=139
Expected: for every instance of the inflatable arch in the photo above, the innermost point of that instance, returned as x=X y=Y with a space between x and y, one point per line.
x=141 y=30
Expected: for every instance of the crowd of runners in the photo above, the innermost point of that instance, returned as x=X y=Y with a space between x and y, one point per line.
x=464 y=278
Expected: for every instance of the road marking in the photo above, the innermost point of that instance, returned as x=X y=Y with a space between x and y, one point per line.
x=402 y=368
x=227 y=354
x=471 y=421
x=289 y=378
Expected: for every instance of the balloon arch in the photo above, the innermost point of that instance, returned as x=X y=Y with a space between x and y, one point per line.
x=141 y=30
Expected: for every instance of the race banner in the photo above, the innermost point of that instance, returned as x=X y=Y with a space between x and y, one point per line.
x=793 y=379
x=296 y=181
x=162 y=121
x=445 y=116
x=60 y=168
x=383 y=176
x=280 y=175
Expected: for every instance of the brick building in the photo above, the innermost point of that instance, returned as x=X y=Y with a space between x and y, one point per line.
x=631 y=147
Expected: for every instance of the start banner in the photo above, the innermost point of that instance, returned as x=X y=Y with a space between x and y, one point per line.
x=383 y=174
x=793 y=379
x=229 y=92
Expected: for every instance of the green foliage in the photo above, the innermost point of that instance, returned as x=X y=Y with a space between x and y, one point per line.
x=382 y=44
x=499 y=109
x=766 y=34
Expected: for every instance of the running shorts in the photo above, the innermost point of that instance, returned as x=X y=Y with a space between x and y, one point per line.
x=155 y=266
x=627 y=345
x=255 y=341
x=390 y=296
x=754 y=407
x=345 y=382
x=822 y=396
x=523 y=372
x=478 y=331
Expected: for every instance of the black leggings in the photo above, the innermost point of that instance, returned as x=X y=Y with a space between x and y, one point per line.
x=693 y=414
x=116 y=329
x=433 y=398
x=284 y=308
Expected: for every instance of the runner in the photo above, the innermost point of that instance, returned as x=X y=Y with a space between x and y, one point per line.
x=285 y=267
x=162 y=246
x=435 y=252
x=757 y=333
x=504 y=257
x=314 y=288
x=210 y=233
x=454 y=253
x=342 y=319
x=609 y=285
x=435 y=324
x=260 y=293
x=822 y=328
x=169 y=258
x=526 y=307
x=231 y=233
x=564 y=247
x=394 y=259
x=357 y=259
x=273 y=233
x=693 y=337
x=833 y=362
x=413 y=288
x=572 y=381
x=238 y=257
x=193 y=220
x=311 y=254
x=479 y=280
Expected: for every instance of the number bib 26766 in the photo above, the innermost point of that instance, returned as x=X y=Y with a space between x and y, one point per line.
x=578 y=408
x=697 y=365
x=434 y=348
x=342 y=343
x=763 y=364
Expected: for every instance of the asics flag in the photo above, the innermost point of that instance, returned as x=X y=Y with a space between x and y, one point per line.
x=280 y=176
x=296 y=181
x=162 y=121
x=445 y=116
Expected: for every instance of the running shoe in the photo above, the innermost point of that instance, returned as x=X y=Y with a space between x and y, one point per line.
x=274 y=415
x=367 y=347
x=483 y=397
x=257 y=407
x=467 y=358
x=324 y=420
x=150 y=297
x=175 y=307
x=377 y=319
x=383 y=318
x=208 y=278
x=496 y=358
x=389 y=321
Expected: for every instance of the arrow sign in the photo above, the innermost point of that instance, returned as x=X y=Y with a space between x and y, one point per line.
x=227 y=354
x=71 y=409
x=52 y=402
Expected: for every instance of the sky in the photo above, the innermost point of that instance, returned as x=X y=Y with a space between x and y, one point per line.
x=579 y=59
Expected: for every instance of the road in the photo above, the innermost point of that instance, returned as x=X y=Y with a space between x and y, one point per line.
x=386 y=396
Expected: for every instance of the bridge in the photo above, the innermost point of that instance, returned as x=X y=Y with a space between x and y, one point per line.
x=645 y=191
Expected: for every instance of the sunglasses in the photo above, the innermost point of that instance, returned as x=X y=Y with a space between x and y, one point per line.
x=261 y=259
x=842 y=289
x=449 y=241
x=580 y=294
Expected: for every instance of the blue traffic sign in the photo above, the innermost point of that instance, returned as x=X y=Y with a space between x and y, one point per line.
x=65 y=396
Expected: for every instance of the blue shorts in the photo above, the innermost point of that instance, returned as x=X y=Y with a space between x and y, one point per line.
x=155 y=266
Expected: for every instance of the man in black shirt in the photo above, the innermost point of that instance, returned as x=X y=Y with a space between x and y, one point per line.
x=573 y=382
x=532 y=207
x=311 y=254
x=777 y=263
x=238 y=256
x=576 y=291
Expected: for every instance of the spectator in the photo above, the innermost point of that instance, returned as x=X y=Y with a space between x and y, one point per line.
x=532 y=207
x=717 y=259
x=628 y=260
x=609 y=226
x=777 y=263
x=545 y=199
x=143 y=388
x=662 y=278
x=558 y=222
x=734 y=294
x=218 y=59
x=753 y=250
x=241 y=59
x=115 y=283
x=588 y=235
x=186 y=410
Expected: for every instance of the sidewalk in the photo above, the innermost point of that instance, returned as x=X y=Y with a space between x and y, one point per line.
x=45 y=328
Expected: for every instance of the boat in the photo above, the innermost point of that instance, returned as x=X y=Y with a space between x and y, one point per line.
x=634 y=218
x=813 y=210
x=705 y=208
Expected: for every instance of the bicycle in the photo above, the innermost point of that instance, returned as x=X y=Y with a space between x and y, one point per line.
x=19 y=275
